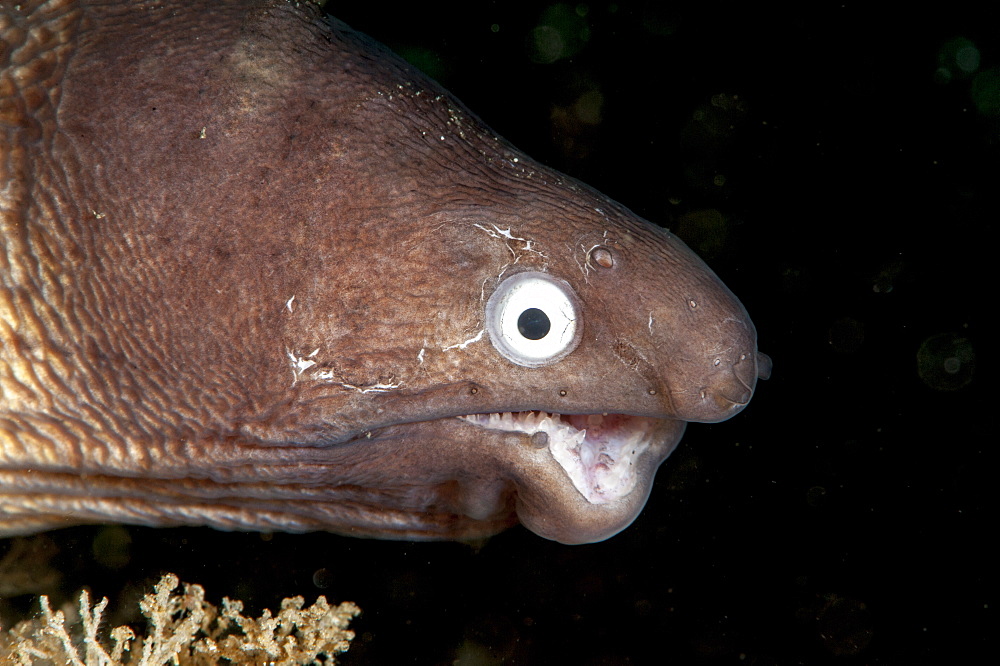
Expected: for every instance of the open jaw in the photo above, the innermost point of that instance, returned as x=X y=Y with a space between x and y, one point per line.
x=598 y=452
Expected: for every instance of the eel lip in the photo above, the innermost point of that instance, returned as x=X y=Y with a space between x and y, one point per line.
x=598 y=452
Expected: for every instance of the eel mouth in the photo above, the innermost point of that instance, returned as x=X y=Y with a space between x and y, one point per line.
x=598 y=452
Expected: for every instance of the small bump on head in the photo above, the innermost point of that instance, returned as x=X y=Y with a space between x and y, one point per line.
x=602 y=257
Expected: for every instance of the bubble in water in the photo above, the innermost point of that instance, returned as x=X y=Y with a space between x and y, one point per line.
x=112 y=547
x=887 y=276
x=323 y=578
x=946 y=361
x=957 y=58
x=846 y=335
x=561 y=33
x=967 y=58
x=708 y=231
x=986 y=92
x=548 y=44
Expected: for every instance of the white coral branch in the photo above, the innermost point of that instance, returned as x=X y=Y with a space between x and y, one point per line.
x=184 y=629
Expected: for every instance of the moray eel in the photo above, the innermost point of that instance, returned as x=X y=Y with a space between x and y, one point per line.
x=259 y=273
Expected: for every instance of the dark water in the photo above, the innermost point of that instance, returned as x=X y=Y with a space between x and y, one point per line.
x=838 y=169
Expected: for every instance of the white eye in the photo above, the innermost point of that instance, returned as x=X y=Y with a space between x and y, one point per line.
x=534 y=319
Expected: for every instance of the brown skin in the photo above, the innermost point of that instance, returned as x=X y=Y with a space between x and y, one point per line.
x=180 y=171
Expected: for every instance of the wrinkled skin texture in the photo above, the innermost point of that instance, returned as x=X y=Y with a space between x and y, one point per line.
x=246 y=257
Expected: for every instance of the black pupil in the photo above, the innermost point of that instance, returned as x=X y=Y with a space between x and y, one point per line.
x=533 y=324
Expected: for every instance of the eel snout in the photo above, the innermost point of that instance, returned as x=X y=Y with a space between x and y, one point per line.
x=714 y=378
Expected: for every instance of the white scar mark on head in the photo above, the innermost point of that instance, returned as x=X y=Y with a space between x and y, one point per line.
x=373 y=388
x=584 y=265
x=586 y=254
x=718 y=353
x=378 y=387
x=300 y=363
x=517 y=253
x=507 y=235
x=420 y=356
x=651 y=322
x=735 y=320
x=463 y=345
x=288 y=303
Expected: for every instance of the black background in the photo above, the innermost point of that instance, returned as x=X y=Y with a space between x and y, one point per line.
x=838 y=169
